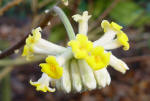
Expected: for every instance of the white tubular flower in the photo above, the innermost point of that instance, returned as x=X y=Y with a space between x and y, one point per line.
x=107 y=40
x=35 y=44
x=43 y=84
x=118 y=64
x=108 y=35
x=87 y=75
x=83 y=22
x=102 y=77
x=65 y=80
x=53 y=66
x=75 y=75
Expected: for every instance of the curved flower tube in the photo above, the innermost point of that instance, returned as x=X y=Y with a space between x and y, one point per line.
x=118 y=64
x=35 y=44
x=76 y=77
x=66 y=80
x=43 y=84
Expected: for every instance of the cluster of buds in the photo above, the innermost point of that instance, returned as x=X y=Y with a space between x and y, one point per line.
x=82 y=65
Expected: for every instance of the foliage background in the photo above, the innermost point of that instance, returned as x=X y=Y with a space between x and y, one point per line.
x=134 y=15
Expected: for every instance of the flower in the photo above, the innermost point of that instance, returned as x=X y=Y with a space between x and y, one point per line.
x=108 y=39
x=83 y=21
x=81 y=46
x=75 y=75
x=30 y=41
x=102 y=77
x=43 y=84
x=52 y=68
x=118 y=64
x=87 y=75
x=98 y=59
x=65 y=81
x=36 y=45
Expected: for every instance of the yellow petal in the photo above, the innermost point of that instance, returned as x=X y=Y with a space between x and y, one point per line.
x=51 y=68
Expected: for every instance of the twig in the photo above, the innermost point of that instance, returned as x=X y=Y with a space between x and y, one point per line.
x=18 y=45
x=136 y=58
x=34 y=7
x=9 y=5
x=5 y=71
x=104 y=14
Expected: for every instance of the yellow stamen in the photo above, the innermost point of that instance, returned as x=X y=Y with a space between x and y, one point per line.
x=98 y=58
x=81 y=46
x=52 y=68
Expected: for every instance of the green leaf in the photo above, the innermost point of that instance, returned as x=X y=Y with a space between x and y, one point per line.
x=126 y=12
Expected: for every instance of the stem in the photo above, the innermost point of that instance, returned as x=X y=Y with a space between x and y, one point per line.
x=65 y=21
x=6 y=90
x=20 y=61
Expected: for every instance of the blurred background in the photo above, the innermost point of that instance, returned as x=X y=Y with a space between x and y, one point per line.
x=18 y=17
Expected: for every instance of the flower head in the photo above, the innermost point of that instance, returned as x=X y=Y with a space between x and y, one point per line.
x=98 y=58
x=81 y=46
x=43 y=84
x=52 y=68
x=83 y=65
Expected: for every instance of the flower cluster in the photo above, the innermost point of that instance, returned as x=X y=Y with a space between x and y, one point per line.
x=83 y=64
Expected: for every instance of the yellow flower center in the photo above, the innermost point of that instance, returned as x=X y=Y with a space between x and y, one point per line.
x=81 y=46
x=98 y=58
x=51 y=68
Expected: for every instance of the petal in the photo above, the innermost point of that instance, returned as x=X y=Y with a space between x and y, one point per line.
x=75 y=74
x=87 y=75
